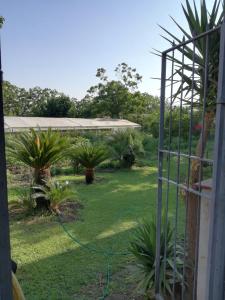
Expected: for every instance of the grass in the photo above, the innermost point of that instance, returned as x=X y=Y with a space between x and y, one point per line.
x=53 y=266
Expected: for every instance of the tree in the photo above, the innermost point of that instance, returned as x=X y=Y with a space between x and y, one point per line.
x=91 y=156
x=16 y=100
x=198 y=23
x=59 y=106
x=39 y=150
x=114 y=98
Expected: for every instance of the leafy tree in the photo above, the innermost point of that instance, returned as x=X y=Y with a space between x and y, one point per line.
x=83 y=108
x=114 y=98
x=90 y=156
x=16 y=100
x=59 y=106
x=39 y=150
x=198 y=22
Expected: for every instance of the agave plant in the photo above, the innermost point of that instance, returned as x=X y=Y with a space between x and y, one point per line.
x=90 y=156
x=54 y=193
x=39 y=150
x=198 y=22
x=143 y=247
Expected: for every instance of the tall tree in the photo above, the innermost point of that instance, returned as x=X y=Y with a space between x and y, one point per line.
x=114 y=98
x=59 y=106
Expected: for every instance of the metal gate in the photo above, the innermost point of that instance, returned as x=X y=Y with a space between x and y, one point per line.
x=190 y=260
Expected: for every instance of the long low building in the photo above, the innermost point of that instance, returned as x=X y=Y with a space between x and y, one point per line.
x=17 y=124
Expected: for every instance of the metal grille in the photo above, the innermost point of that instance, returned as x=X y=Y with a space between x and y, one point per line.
x=188 y=160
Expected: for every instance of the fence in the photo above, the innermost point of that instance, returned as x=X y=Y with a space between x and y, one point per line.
x=190 y=262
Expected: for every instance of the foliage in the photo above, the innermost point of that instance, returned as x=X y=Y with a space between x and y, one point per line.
x=26 y=200
x=125 y=145
x=55 y=192
x=16 y=100
x=143 y=247
x=76 y=143
x=38 y=149
x=36 y=102
x=90 y=156
x=198 y=23
x=59 y=106
x=112 y=98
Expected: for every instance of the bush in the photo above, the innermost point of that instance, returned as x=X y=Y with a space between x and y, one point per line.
x=90 y=156
x=143 y=247
x=125 y=145
x=55 y=193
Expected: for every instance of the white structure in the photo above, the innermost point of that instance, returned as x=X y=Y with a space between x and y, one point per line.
x=17 y=124
x=203 y=251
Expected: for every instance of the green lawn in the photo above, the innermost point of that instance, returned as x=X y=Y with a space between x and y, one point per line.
x=53 y=266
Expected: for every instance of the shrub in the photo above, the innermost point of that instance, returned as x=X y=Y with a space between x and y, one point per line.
x=143 y=247
x=54 y=193
x=90 y=156
x=125 y=145
x=39 y=150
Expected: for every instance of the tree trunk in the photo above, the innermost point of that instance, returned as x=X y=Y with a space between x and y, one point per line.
x=40 y=178
x=89 y=175
x=193 y=204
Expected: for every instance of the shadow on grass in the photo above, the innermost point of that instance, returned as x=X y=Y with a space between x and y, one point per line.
x=76 y=273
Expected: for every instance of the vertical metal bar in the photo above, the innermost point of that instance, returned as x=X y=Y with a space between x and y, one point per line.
x=5 y=263
x=160 y=168
x=202 y=151
x=216 y=260
x=168 y=169
x=178 y=172
x=189 y=171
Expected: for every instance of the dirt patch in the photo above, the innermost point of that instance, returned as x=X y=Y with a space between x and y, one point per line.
x=122 y=286
x=70 y=211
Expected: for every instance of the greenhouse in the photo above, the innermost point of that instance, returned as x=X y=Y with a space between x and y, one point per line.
x=17 y=124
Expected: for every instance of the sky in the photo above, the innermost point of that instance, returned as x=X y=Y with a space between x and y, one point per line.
x=59 y=44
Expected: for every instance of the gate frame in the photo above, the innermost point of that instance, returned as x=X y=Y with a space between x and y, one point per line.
x=216 y=259
x=215 y=284
x=5 y=259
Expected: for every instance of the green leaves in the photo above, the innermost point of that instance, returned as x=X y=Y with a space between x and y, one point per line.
x=38 y=149
x=123 y=142
x=190 y=71
x=54 y=192
x=143 y=247
x=91 y=156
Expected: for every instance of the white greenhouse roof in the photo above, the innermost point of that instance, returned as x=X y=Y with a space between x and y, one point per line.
x=17 y=124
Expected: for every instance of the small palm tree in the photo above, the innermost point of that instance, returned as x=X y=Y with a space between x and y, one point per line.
x=90 y=156
x=54 y=193
x=39 y=150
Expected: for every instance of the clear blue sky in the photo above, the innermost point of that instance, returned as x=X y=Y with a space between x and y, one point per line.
x=60 y=43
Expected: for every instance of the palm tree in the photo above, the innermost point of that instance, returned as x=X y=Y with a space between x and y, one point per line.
x=39 y=150
x=89 y=157
x=198 y=23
